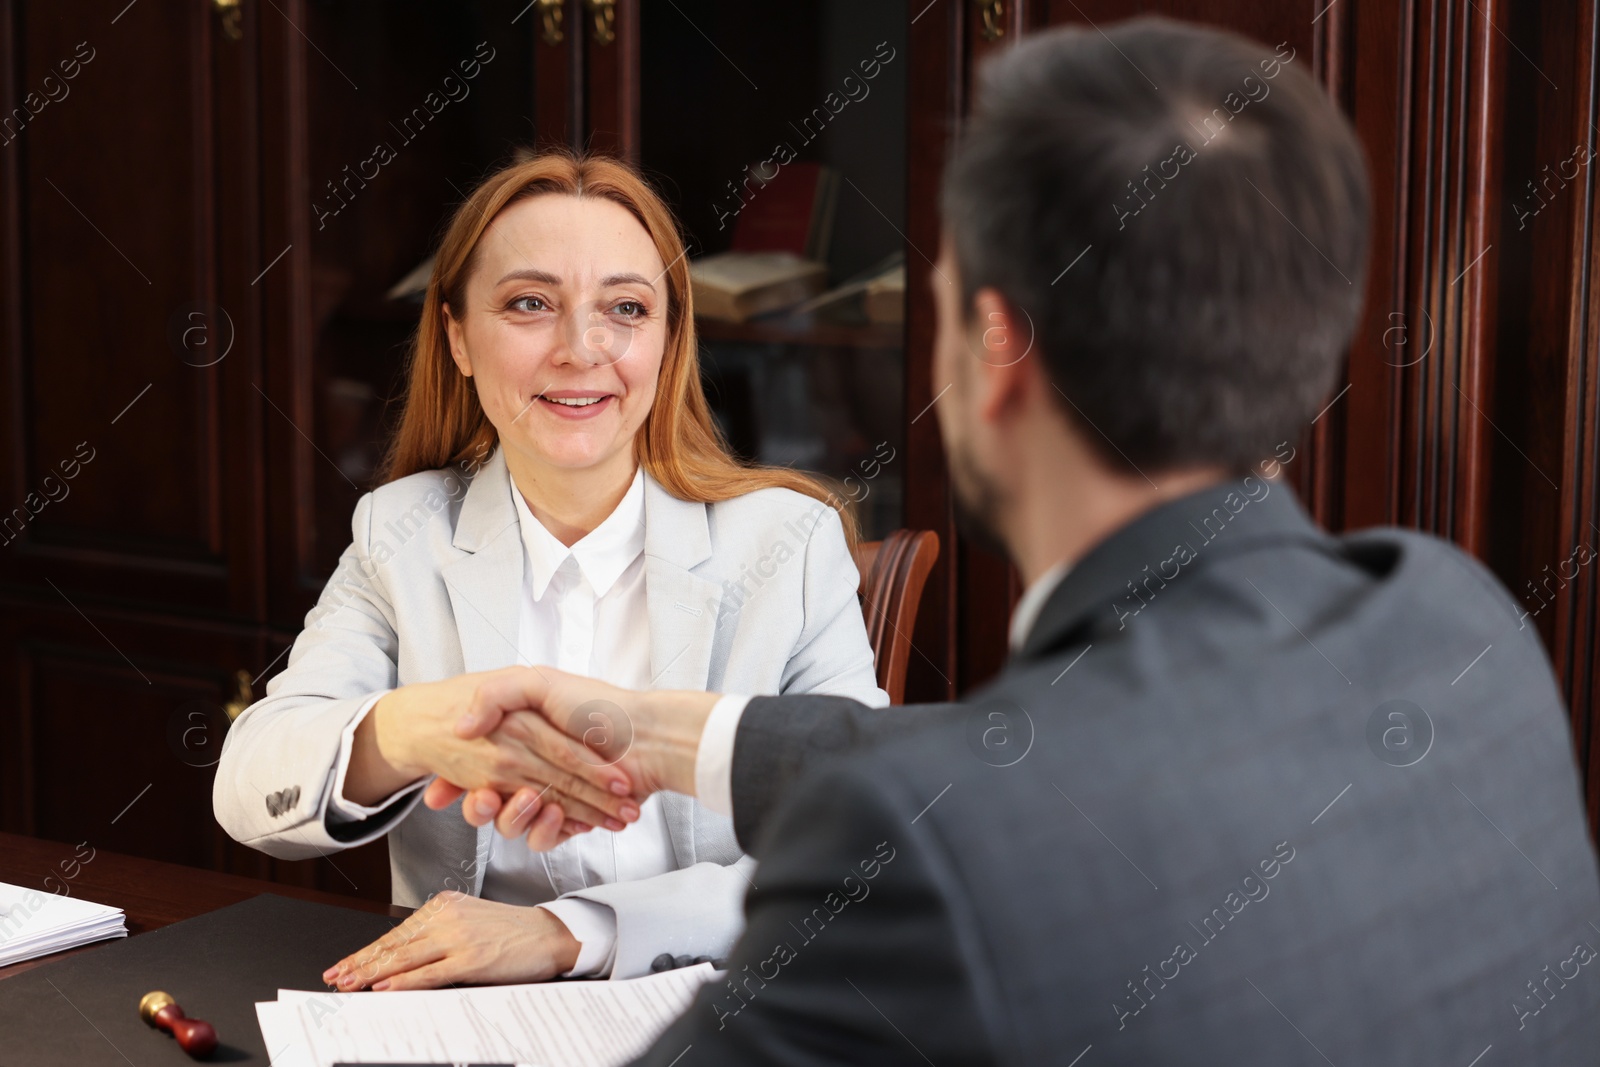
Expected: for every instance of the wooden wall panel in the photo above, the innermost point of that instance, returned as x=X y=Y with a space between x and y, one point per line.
x=1550 y=231
x=112 y=267
x=936 y=96
x=558 y=70
x=98 y=722
x=611 y=44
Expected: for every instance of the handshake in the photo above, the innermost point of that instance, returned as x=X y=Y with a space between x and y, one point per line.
x=540 y=753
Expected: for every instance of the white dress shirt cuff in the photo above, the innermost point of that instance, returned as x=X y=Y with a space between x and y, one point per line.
x=340 y=809
x=713 y=762
x=595 y=927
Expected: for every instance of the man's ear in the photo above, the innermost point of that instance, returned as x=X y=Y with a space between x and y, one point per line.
x=458 y=341
x=1004 y=347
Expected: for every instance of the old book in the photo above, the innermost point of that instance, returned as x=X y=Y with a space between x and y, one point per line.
x=885 y=297
x=736 y=286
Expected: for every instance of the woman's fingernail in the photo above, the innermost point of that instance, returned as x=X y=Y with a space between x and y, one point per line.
x=613 y=824
x=582 y=827
x=484 y=806
x=629 y=812
x=620 y=788
x=331 y=973
x=381 y=986
x=466 y=722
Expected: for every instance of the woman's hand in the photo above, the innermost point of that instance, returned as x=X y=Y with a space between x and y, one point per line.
x=410 y=733
x=455 y=939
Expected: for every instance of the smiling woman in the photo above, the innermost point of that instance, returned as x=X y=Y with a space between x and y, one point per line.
x=507 y=223
x=555 y=361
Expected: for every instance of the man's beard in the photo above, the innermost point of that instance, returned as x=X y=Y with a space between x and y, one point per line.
x=978 y=503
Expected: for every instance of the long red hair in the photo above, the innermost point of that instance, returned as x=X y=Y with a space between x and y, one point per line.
x=679 y=444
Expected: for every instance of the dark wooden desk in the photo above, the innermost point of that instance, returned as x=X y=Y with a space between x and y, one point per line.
x=150 y=892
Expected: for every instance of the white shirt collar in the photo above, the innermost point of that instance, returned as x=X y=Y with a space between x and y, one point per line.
x=602 y=554
x=1032 y=602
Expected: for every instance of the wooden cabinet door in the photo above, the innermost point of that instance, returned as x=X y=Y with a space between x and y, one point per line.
x=126 y=261
x=586 y=74
x=113 y=729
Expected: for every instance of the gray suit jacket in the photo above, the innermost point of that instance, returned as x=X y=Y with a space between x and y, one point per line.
x=755 y=594
x=1249 y=794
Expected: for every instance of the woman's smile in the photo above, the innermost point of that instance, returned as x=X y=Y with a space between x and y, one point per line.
x=575 y=404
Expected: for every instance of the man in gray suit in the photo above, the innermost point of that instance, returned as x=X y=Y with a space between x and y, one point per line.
x=1246 y=792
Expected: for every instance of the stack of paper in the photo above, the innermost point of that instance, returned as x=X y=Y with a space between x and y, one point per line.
x=33 y=923
x=552 y=1024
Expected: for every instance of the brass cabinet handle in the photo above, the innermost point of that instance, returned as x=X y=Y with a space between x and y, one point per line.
x=232 y=12
x=551 y=13
x=242 y=697
x=993 y=14
x=605 y=20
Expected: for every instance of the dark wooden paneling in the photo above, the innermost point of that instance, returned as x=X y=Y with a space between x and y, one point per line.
x=110 y=710
x=613 y=80
x=558 y=72
x=1548 y=230
x=112 y=238
x=936 y=96
x=114 y=723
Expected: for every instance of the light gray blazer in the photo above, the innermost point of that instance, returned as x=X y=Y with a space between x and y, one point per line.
x=752 y=595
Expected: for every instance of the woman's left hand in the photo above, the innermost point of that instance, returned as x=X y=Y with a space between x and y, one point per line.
x=455 y=938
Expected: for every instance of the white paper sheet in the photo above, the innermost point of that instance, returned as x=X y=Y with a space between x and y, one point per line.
x=34 y=923
x=552 y=1024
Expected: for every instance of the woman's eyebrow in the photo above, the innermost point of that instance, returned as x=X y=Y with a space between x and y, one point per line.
x=626 y=279
x=530 y=275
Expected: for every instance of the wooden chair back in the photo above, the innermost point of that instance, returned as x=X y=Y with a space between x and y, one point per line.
x=893 y=574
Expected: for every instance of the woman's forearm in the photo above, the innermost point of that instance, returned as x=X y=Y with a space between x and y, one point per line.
x=375 y=773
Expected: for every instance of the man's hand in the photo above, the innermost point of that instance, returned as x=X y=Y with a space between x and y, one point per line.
x=652 y=737
x=455 y=938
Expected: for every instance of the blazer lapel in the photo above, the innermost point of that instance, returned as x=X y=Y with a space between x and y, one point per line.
x=485 y=589
x=683 y=609
x=485 y=585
